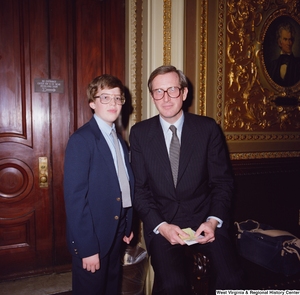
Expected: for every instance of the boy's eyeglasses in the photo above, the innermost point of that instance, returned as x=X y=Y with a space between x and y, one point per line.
x=106 y=98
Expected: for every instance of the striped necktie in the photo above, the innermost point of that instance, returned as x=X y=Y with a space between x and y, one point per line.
x=174 y=153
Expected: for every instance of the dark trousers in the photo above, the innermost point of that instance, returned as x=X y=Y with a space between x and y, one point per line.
x=169 y=265
x=106 y=280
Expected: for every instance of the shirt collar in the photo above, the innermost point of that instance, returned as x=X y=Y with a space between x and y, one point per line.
x=282 y=53
x=104 y=127
x=178 y=124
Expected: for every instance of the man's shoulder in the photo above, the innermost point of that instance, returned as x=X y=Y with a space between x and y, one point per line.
x=188 y=117
x=297 y=59
x=145 y=124
x=199 y=124
x=198 y=118
x=85 y=130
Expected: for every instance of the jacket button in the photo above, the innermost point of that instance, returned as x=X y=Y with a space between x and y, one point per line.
x=118 y=199
x=116 y=217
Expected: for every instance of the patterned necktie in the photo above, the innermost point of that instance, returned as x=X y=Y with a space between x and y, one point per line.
x=174 y=153
x=123 y=180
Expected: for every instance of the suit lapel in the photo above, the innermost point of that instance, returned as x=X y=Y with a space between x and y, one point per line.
x=159 y=154
x=157 y=148
x=188 y=137
x=103 y=147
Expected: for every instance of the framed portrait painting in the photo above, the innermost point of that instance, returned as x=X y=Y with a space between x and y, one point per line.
x=281 y=52
x=259 y=62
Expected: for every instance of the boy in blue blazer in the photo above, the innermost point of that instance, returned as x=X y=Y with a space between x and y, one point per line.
x=97 y=220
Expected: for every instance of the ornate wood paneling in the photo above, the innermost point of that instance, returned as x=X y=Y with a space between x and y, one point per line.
x=25 y=218
x=255 y=126
x=18 y=234
x=16 y=180
x=15 y=121
x=250 y=93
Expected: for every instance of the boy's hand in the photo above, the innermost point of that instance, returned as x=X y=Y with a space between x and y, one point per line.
x=91 y=263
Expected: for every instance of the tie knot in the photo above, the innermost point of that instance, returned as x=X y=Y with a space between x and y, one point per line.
x=173 y=129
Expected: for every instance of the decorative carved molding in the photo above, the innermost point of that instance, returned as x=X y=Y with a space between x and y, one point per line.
x=16 y=180
x=264 y=155
x=246 y=103
x=202 y=44
x=249 y=91
x=136 y=56
x=220 y=66
x=18 y=232
x=132 y=52
x=167 y=31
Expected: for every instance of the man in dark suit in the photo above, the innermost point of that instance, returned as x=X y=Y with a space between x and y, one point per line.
x=198 y=198
x=285 y=70
x=97 y=217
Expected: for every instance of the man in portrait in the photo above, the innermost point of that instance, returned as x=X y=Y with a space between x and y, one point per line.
x=285 y=70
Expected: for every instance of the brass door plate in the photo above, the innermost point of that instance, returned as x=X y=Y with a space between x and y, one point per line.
x=43 y=171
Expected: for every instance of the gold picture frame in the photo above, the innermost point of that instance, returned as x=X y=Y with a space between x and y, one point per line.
x=260 y=118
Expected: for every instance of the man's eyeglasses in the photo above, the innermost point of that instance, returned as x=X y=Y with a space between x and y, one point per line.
x=172 y=92
x=106 y=98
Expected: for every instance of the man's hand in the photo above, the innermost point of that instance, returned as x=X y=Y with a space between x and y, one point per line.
x=127 y=240
x=171 y=232
x=207 y=229
x=91 y=263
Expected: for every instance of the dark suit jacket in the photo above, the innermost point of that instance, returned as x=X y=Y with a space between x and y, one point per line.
x=92 y=193
x=205 y=182
x=292 y=75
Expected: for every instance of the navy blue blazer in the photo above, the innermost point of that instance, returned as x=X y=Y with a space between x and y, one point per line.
x=92 y=192
x=205 y=183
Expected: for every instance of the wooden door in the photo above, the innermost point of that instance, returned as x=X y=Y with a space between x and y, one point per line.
x=64 y=43
x=25 y=207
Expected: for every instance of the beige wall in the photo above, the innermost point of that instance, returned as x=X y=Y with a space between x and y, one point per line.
x=155 y=36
